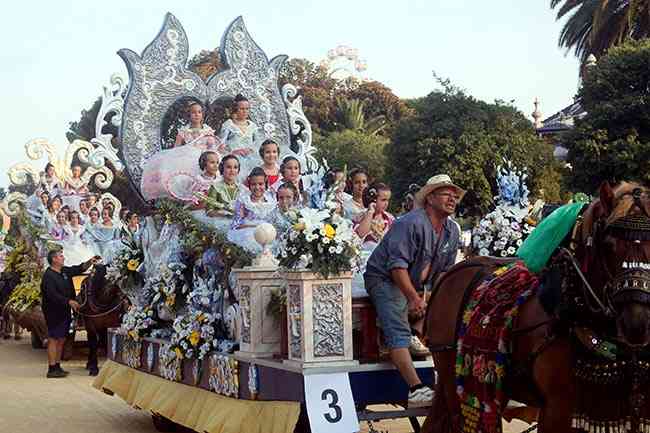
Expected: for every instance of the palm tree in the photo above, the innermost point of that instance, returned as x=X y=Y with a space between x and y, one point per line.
x=596 y=25
x=352 y=114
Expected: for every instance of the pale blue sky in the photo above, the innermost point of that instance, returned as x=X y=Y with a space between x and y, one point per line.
x=57 y=55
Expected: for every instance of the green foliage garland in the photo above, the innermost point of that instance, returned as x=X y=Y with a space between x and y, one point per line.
x=198 y=237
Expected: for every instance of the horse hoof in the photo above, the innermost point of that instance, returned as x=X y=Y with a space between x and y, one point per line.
x=93 y=372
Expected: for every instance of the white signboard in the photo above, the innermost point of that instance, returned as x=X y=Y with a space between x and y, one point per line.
x=330 y=405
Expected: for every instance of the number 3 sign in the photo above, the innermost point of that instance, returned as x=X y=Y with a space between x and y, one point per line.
x=330 y=405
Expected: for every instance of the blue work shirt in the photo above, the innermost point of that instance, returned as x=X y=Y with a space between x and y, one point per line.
x=411 y=243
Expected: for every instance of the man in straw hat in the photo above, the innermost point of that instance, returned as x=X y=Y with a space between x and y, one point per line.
x=418 y=246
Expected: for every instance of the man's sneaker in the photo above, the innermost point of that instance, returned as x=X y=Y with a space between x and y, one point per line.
x=58 y=368
x=416 y=348
x=56 y=373
x=421 y=397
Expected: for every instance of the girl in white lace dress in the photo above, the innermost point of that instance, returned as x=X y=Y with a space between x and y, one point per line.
x=252 y=208
x=75 y=248
x=241 y=136
x=75 y=189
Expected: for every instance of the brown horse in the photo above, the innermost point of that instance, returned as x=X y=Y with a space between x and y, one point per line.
x=605 y=265
x=102 y=306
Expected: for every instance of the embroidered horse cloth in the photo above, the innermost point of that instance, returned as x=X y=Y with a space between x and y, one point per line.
x=483 y=346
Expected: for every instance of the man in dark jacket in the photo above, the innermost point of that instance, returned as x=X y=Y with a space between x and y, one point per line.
x=58 y=297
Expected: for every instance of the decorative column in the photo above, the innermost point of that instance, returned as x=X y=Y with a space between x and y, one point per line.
x=319 y=313
x=260 y=332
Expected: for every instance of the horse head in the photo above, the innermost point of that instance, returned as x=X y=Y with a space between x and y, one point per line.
x=100 y=294
x=616 y=258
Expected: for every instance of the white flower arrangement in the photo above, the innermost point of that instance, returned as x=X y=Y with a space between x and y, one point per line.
x=168 y=285
x=136 y=322
x=194 y=334
x=499 y=234
x=319 y=240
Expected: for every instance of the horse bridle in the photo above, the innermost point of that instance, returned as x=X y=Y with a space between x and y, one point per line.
x=117 y=306
x=633 y=283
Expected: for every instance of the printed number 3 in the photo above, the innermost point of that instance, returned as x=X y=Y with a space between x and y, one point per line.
x=338 y=413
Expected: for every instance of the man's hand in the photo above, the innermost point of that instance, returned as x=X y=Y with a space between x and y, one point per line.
x=417 y=307
x=74 y=304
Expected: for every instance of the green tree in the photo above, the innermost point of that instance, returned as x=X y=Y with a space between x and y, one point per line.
x=596 y=25
x=353 y=116
x=353 y=147
x=84 y=128
x=612 y=142
x=457 y=134
x=322 y=96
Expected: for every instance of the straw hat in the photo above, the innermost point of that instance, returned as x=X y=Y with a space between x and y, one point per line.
x=436 y=182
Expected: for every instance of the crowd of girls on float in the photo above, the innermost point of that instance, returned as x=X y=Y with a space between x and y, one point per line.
x=81 y=222
x=243 y=181
x=239 y=180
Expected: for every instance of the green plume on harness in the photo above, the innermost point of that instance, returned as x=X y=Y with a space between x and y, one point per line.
x=538 y=247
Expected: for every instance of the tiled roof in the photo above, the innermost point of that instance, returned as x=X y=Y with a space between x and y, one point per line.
x=562 y=120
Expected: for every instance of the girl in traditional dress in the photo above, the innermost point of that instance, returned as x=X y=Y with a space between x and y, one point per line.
x=287 y=198
x=75 y=189
x=371 y=226
x=75 y=248
x=215 y=201
x=92 y=200
x=93 y=217
x=57 y=230
x=251 y=209
x=209 y=177
x=357 y=184
x=290 y=170
x=196 y=133
x=49 y=181
x=53 y=208
x=105 y=236
x=240 y=135
x=83 y=211
x=172 y=172
x=269 y=152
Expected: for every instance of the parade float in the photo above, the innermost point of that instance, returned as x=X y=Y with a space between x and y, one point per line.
x=221 y=334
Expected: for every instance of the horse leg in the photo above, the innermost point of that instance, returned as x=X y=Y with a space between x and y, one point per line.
x=553 y=376
x=444 y=415
x=91 y=365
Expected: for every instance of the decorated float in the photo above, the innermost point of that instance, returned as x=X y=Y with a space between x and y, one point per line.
x=233 y=324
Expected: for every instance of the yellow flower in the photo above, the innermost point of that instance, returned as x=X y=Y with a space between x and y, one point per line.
x=132 y=264
x=170 y=300
x=194 y=337
x=299 y=226
x=329 y=231
x=200 y=318
x=133 y=334
x=179 y=354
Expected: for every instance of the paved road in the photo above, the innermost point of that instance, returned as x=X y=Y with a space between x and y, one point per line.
x=31 y=403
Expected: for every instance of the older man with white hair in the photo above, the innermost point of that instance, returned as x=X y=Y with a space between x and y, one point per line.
x=418 y=247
